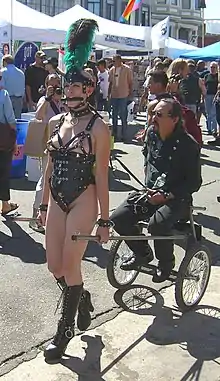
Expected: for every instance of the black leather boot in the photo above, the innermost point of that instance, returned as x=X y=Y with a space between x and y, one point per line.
x=65 y=330
x=85 y=307
x=61 y=283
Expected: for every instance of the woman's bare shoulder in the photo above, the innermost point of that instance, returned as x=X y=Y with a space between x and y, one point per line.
x=100 y=128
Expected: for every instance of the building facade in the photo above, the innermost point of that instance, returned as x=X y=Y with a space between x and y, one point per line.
x=185 y=17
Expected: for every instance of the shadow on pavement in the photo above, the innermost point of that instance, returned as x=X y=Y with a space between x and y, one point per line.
x=211 y=148
x=22 y=184
x=209 y=222
x=117 y=185
x=210 y=163
x=89 y=368
x=21 y=245
x=212 y=223
x=96 y=255
x=197 y=331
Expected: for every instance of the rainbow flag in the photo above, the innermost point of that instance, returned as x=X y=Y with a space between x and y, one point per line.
x=137 y=5
x=132 y=6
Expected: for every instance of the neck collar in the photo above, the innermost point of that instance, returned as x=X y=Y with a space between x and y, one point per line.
x=77 y=113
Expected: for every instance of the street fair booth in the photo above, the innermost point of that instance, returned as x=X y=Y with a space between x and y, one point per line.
x=174 y=48
x=20 y=22
x=209 y=53
x=111 y=34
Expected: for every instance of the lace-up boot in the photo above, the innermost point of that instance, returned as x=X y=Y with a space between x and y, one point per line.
x=65 y=330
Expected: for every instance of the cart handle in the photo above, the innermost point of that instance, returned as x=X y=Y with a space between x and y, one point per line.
x=96 y=238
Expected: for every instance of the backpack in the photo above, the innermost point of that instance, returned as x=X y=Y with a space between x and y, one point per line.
x=190 y=90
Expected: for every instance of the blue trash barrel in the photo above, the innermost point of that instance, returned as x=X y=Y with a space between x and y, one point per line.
x=19 y=159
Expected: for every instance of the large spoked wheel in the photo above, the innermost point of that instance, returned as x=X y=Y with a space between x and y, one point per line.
x=117 y=277
x=193 y=277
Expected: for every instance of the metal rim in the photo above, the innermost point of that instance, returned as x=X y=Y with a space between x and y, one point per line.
x=195 y=278
x=122 y=277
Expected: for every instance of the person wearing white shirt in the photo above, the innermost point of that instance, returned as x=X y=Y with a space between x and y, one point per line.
x=103 y=85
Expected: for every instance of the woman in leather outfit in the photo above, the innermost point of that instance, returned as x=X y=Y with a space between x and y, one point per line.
x=73 y=185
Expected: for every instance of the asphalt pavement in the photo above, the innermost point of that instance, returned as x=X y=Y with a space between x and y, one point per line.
x=28 y=293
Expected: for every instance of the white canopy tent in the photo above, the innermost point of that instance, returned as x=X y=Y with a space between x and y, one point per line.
x=174 y=48
x=111 y=34
x=19 y=22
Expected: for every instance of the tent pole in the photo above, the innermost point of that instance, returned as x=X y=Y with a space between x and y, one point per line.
x=11 y=28
x=203 y=27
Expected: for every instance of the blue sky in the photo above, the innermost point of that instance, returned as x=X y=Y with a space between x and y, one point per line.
x=211 y=7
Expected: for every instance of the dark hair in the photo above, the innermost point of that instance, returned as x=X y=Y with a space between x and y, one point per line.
x=167 y=62
x=159 y=66
x=159 y=76
x=176 y=110
x=102 y=62
x=192 y=67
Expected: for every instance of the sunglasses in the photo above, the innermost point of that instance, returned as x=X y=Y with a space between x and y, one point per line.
x=159 y=114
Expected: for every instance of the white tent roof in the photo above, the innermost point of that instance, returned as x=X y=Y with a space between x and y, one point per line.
x=111 y=34
x=27 y=24
x=174 y=48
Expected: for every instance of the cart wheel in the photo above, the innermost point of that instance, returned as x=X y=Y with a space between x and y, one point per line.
x=193 y=277
x=117 y=277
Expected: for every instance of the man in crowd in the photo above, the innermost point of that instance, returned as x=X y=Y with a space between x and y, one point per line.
x=35 y=77
x=192 y=88
x=155 y=86
x=202 y=69
x=173 y=175
x=13 y=81
x=103 y=86
x=120 y=89
x=202 y=72
x=211 y=84
x=51 y=66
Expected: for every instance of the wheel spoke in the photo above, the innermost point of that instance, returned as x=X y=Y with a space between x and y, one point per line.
x=123 y=277
x=195 y=279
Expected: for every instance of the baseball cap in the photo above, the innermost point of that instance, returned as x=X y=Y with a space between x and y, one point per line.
x=51 y=61
x=40 y=54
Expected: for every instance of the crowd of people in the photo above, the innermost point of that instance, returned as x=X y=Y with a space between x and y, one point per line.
x=73 y=187
x=196 y=87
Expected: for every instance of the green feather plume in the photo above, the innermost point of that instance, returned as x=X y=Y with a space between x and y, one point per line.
x=79 y=43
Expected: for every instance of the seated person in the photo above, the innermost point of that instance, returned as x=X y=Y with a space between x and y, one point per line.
x=173 y=174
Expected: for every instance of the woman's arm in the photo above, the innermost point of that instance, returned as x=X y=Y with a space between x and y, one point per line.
x=102 y=152
x=46 y=189
x=41 y=109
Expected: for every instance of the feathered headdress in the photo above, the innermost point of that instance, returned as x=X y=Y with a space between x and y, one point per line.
x=78 y=45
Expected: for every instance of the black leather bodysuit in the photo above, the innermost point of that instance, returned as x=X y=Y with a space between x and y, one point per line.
x=72 y=171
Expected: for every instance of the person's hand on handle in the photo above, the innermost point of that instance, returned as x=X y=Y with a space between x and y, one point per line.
x=103 y=233
x=157 y=199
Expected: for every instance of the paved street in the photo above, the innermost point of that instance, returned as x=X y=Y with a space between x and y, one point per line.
x=28 y=294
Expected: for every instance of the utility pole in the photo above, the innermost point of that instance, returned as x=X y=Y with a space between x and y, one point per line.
x=11 y=29
x=203 y=26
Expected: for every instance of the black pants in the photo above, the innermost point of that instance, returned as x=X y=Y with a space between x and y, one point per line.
x=5 y=168
x=102 y=103
x=161 y=222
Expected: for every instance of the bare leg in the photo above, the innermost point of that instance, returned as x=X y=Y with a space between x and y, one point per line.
x=55 y=236
x=81 y=219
